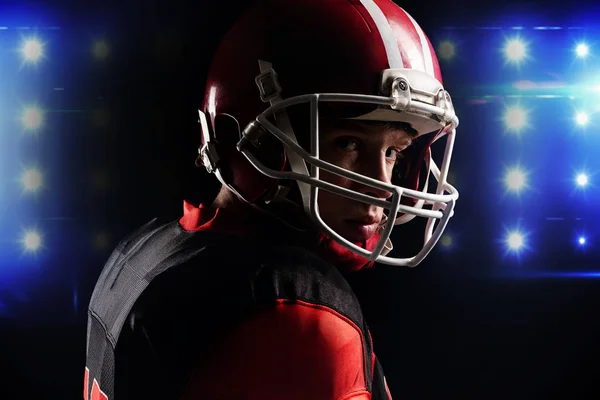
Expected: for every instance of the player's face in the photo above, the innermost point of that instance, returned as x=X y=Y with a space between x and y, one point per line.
x=370 y=151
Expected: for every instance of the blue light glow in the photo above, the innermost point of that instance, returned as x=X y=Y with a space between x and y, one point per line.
x=582 y=50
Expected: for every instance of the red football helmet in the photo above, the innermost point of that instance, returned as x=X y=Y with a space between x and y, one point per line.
x=354 y=59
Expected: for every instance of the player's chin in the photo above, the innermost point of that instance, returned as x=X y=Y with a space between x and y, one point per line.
x=357 y=232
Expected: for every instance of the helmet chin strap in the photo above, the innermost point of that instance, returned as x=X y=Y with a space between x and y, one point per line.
x=277 y=203
x=283 y=122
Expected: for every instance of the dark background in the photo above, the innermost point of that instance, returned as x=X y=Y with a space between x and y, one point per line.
x=453 y=328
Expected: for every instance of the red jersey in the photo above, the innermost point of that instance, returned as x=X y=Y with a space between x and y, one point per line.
x=287 y=328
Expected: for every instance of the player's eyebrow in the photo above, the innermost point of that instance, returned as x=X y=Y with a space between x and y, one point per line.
x=397 y=137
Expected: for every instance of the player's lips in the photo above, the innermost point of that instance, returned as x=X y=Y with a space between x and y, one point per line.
x=369 y=220
x=362 y=228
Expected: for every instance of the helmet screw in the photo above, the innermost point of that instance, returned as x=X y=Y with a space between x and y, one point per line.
x=402 y=85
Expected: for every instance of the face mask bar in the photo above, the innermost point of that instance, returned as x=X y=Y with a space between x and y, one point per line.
x=429 y=236
x=443 y=204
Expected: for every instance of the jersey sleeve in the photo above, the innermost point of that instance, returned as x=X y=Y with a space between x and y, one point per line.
x=295 y=350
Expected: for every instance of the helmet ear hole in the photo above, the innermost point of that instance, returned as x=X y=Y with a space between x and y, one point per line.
x=228 y=130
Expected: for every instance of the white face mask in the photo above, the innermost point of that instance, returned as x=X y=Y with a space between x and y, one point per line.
x=420 y=101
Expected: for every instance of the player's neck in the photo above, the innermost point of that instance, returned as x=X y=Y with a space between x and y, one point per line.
x=226 y=199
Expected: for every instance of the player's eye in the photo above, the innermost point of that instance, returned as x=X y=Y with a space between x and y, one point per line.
x=393 y=154
x=346 y=144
